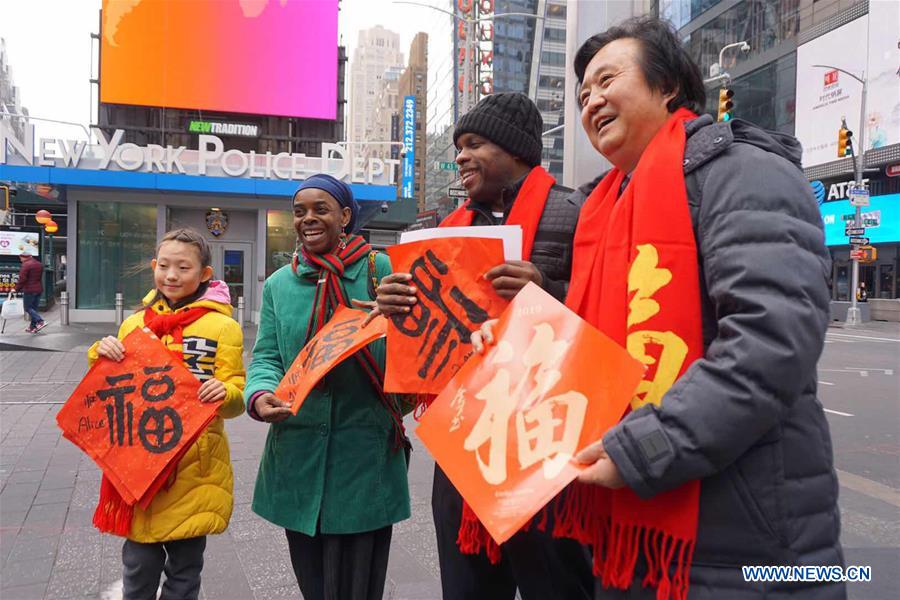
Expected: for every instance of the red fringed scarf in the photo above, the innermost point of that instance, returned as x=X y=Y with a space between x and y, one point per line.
x=635 y=277
x=330 y=293
x=113 y=514
x=526 y=211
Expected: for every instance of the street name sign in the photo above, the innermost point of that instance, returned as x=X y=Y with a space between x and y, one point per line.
x=457 y=193
x=859 y=196
x=448 y=166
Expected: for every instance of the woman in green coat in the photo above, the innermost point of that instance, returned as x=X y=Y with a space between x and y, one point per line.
x=334 y=475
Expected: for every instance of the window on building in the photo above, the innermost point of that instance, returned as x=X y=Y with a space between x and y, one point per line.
x=281 y=238
x=556 y=11
x=553 y=59
x=763 y=24
x=116 y=242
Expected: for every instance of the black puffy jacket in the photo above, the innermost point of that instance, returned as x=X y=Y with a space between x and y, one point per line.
x=744 y=419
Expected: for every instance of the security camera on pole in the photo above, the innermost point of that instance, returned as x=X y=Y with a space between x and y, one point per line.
x=859 y=192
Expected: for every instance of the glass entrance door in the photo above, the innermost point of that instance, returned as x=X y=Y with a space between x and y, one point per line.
x=232 y=264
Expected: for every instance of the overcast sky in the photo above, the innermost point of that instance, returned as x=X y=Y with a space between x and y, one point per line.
x=50 y=50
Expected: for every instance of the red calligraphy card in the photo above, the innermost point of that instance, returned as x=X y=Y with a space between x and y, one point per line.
x=339 y=339
x=135 y=417
x=428 y=345
x=505 y=429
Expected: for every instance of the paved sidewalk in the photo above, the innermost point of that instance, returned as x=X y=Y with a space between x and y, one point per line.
x=48 y=490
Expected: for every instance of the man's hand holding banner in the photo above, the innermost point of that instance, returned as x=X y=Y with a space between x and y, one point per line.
x=135 y=418
x=428 y=345
x=506 y=427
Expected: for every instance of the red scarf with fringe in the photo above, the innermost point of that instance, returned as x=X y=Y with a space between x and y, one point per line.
x=113 y=515
x=330 y=293
x=526 y=211
x=635 y=277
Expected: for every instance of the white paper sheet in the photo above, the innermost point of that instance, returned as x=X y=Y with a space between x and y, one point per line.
x=511 y=235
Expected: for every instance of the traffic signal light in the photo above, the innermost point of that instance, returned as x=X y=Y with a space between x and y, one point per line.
x=725 y=104
x=869 y=254
x=845 y=142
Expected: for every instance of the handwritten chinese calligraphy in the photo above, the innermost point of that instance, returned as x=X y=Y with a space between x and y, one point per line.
x=645 y=279
x=428 y=345
x=339 y=339
x=136 y=416
x=536 y=443
x=505 y=428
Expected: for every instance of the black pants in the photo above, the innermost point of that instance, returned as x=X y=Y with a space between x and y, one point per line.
x=542 y=567
x=181 y=560
x=340 y=567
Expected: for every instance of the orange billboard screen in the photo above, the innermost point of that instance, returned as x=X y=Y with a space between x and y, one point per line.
x=270 y=57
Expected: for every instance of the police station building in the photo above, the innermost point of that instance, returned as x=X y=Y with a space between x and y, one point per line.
x=121 y=198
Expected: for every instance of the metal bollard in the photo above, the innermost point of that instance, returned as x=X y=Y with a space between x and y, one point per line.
x=64 y=308
x=120 y=308
x=240 y=311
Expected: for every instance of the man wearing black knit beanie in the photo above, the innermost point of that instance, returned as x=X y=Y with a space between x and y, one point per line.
x=500 y=144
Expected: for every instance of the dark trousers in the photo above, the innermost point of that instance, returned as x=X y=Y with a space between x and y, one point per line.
x=181 y=561
x=30 y=304
x=340 y=567
x=542 y=567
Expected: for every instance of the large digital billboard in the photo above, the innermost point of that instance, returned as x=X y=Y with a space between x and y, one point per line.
x=268 y=57
x=409 y=145
x=868 y=45
x=883 y=214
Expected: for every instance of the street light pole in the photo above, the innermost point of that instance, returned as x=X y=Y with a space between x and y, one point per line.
x=853 y=313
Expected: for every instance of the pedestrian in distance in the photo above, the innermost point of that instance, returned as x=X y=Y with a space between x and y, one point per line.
x=30 y=283
x=862 y=295
x=499 y=156
x=333 y=475
x=702 y=252
x=192 y=315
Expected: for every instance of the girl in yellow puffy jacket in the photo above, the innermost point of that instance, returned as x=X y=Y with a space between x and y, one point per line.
x=191 y=314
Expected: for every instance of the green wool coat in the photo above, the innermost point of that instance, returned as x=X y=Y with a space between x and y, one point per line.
x=332 y=467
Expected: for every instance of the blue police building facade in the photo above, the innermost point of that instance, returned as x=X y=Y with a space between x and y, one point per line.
x=121 y=198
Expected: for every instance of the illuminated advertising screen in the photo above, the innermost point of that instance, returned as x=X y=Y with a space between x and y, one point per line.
x=268 y=57
x=409 y=143
x=15 y=242
x=881 y=220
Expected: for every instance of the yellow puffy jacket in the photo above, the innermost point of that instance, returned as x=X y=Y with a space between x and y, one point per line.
x=200 y=500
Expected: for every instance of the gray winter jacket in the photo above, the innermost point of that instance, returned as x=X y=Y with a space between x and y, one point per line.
x=552 y=250
x=744 y=419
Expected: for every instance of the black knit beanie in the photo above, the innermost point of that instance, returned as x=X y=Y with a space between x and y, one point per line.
x=510 y=120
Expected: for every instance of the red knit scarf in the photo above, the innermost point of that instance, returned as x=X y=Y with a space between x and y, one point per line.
x=526 y=211
x=635 y=277
x=113 y=514
x=330 y=293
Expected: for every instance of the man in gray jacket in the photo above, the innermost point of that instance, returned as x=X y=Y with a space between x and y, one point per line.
x=743 y=419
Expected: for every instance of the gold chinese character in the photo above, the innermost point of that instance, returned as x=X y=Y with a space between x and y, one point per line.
x=645 y=279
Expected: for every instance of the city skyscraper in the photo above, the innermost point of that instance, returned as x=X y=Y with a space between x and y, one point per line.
x=377 y=51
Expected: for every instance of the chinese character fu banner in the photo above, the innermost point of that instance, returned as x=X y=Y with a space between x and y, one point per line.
x=339 y=339
x=134 y=417
x=428 y=345
x=506 y=427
